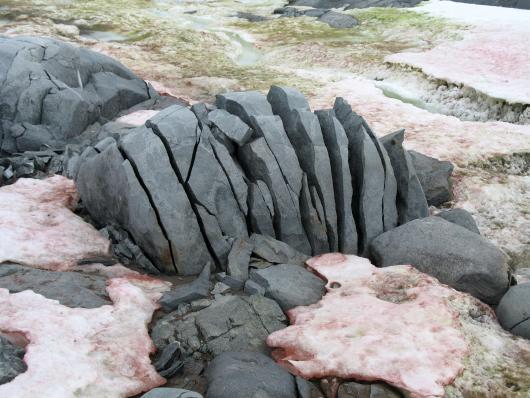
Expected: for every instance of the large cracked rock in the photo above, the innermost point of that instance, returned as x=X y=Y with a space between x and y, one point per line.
x=50 y=91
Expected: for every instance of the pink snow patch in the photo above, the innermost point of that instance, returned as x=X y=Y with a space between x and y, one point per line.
x=494 y=62
x=392 y=324
x=93 y=353
x=38 y=228
x=137 y=118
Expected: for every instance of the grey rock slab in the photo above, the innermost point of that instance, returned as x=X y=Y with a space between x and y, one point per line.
x=239 y=259
x=185 y=294
x=305 y=134
x=72 y=289
x=259 y=163
x=284 y=100
x=454 y=255
x=219 y=243
x=176 y=216
x=111 y=191
x=260 y=216
x=252 y=288
x=275 y=251
x=313 y=219
x=166 y=392
x=337 y=143
x=513 y=310
x=233 y=172
x=231 y=126
x=248 y=374
x=338 y=20
x=411 y=201
x=289 y=285
x=11 y=360
x=390 y=214
x=368 y=176
x=460 y=217
x=435 y=178
x=244 y=104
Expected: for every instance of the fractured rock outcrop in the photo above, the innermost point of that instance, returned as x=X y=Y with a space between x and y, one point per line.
x=50 y=91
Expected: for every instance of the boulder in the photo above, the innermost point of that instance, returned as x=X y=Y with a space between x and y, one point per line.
x=338 y=20
x=337 y=144
x=275 y=251
x=284 y=100
x=411 y=201
x=228 y=323
x=195 y=290
x=244 y=104
x=239 y=259
x=513 y=310
x=165 y=392
x=70 y=88
x=435 y=178
x=72 y=289
x=457 y=257
x=368 y=175
x=248 y=374
x=230 y=125
x=11 y=360
x=289 y=285
x=460 y=217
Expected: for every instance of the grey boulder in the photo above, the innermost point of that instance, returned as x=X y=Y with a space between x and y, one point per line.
x=411 y=201
x=248 y=375
x=230 y=125
x=338 y=20
x=195 y=290
x=275 y=251
x=513 y=310
x=165 y=392
x=460 y=217
x=244 y=104
x=289 y=285
x=11 y=363
x=455 y=256
x=435 y=178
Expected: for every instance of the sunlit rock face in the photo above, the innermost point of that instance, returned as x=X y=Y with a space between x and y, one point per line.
x=38 y=227
x=403 y=327
x=99 y=352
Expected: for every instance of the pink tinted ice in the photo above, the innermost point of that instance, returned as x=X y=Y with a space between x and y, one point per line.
x=93 y=353
x=392 y=324
x=39 y=229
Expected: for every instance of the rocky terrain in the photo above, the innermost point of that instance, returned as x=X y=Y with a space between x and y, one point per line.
x=150 y=240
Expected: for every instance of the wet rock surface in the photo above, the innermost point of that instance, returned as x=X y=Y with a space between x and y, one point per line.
x=434 y=176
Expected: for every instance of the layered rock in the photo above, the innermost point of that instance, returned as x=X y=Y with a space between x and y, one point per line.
x=51 y=91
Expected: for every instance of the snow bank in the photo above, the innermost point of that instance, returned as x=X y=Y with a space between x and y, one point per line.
x=39 y=229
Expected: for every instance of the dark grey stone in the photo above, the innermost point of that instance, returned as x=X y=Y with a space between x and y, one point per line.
x=337 y=144
x=11 y=363
x=195 y=290
x=313 y=218
x=460 y=217
x=169 y=362
x=111 y=192
x=368 y=175
x=289 y=285
x=457 y=257
x=358 y=390
x=239 y=259
x=513 y=310
x=248 y=374
x=201 y=111
x=51 y=91
x=284 y=100
x=275 y=251
x=169 y=200
x=411 y=201
x=435 y=178
x=244 y=104
x=303 y=130
x=260 y=216
x=252 y=288
x=260 y=164
x=230 y=125
x=338 y=20
x=390 y=214
x=250 y=17
x=228 y=323
x=165 y=392
x=72 y=289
